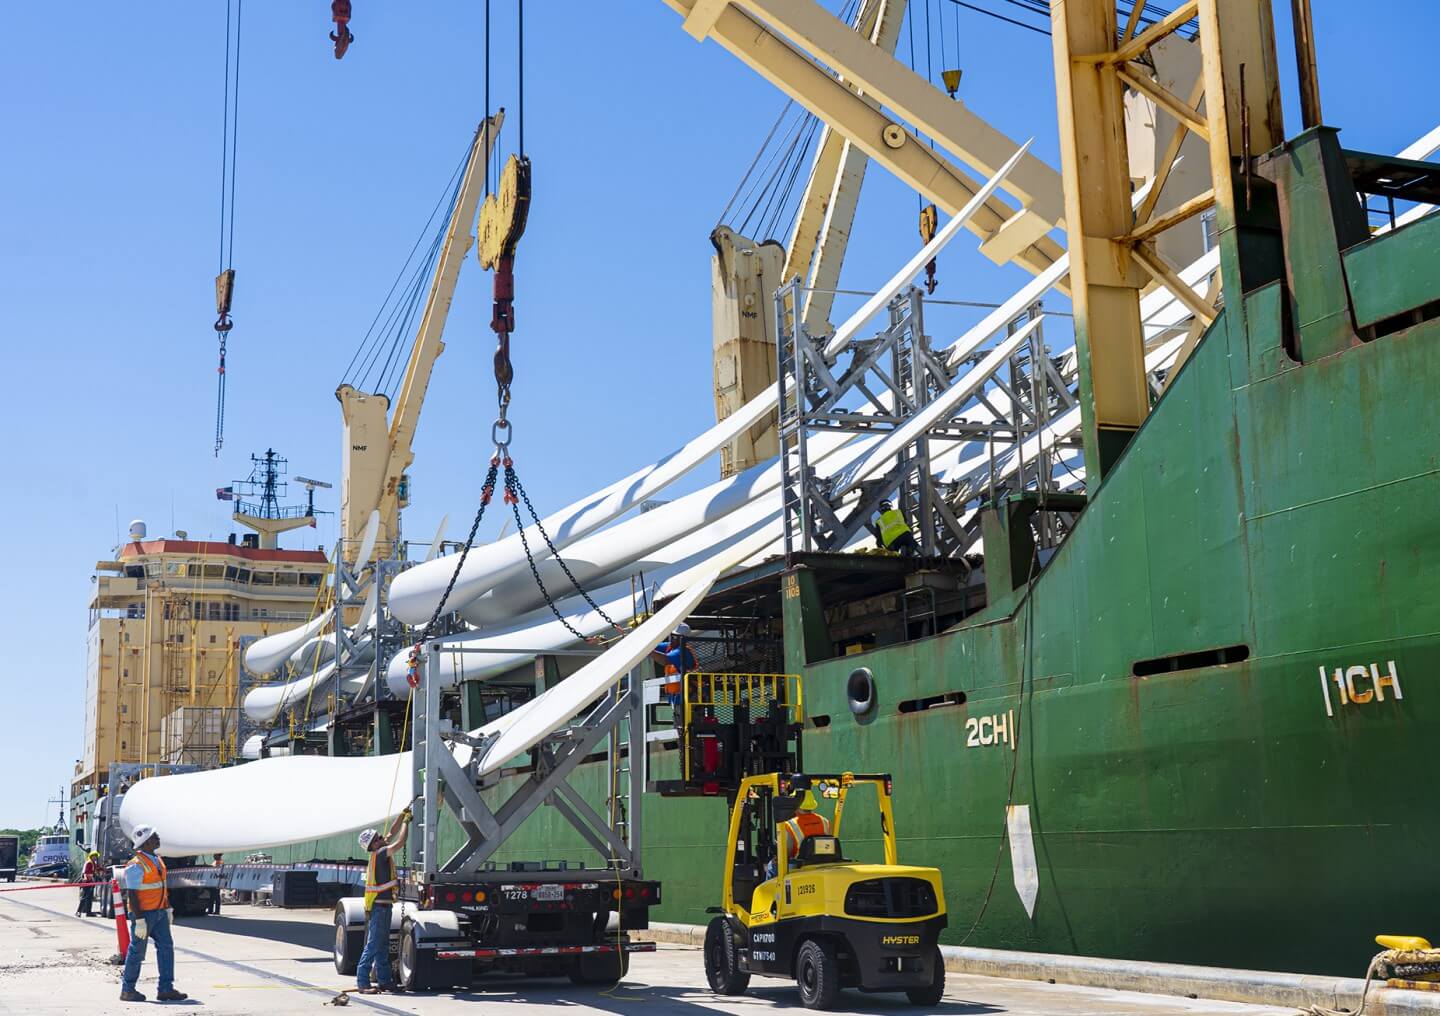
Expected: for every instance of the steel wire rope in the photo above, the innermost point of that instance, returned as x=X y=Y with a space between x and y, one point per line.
x=1152 y=14
x=766 y=182
x=520 y=73
x=451 y=190
x=944 y=59
x=784 y=178
x=495 y=147
x=234 y=131
x=803 y=154
x=999 y=17
x=755 y=161
x=228 y=148
x=779 y=191
x=397 y=323
x=391 y=374
x=366 y=376
x=373 y=341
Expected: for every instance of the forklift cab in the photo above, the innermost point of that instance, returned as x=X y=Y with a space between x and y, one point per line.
x=758 y=839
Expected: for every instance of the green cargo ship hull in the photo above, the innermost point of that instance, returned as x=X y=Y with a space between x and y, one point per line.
x=1270 y=536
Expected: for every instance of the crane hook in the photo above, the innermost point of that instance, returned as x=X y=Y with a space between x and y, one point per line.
x=342 y=36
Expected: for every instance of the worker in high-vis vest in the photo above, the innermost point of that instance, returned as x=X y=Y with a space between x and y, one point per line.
x=678 y=660
x=147 y=902
x=381 y=882
x=807 y=822
x=893 y=531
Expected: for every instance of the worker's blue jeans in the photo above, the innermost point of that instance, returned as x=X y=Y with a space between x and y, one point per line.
x=377 y=948
x=157 y=924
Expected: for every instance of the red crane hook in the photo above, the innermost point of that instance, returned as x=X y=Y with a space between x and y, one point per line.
x=340 y=14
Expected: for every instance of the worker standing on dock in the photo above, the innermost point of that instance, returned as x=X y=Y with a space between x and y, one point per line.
x=148 y=903
x=893 y=531
x=678 y=661
x=87 y=891
x=380 y=883
x=219 y=865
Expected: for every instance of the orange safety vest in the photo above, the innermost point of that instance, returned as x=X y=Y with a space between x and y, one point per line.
x=373 y=890
x=807 y=823
x=152 y=894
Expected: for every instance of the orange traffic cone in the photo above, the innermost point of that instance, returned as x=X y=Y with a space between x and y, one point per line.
x=122 y=923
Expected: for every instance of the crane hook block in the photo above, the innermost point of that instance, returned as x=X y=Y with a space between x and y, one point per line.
x=224 y=291
x=503 y=215
x=342 y=37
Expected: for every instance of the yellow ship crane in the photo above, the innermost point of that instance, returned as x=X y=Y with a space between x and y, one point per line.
x=848 y=80
x=377 y=443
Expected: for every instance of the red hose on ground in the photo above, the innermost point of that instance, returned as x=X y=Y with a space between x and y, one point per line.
x=52 y=885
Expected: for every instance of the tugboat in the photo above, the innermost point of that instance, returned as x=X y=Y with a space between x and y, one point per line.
x=51 y=857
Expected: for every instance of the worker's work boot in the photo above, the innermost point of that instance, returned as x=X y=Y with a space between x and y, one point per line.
x=132 y=996
x=172 y=996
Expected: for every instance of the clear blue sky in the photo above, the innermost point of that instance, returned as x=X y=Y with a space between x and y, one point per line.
x=108 y=245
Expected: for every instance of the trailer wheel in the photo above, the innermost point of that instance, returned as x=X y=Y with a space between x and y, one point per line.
x=817 y=970
x=722 y=961
x=419 y=969
x=932 y=993
x=349 y=942
x=188 y=902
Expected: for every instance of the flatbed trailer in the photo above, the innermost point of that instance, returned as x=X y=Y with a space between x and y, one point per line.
x=466 y=915
x=573 y=923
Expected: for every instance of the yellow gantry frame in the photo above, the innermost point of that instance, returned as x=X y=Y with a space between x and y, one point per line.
x=1112 y=254
x=770 y=783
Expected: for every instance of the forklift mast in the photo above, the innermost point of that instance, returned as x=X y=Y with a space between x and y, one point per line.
x=732 y=726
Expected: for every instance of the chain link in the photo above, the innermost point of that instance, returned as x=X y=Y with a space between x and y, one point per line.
x=514 y=494
x=486 y=493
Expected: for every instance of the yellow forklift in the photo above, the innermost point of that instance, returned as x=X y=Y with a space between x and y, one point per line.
x=820 y=918
x=813 y=914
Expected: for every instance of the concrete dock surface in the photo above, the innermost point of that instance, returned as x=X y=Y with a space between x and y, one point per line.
x=255 y=959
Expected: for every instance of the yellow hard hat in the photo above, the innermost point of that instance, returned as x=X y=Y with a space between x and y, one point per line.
x=809 y=803
x=95 y=854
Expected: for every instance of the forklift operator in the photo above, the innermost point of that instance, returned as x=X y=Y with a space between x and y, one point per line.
x=806 y=823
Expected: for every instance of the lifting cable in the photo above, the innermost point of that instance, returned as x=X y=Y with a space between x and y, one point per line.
x=225 y=280
x=502 y=223
x=376 y=362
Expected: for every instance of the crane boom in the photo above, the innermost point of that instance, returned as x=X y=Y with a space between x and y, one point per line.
x=376 y=456
x=778 y=38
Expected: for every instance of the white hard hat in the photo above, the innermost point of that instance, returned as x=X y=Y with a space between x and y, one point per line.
x=366 y=836
x=682 y=629
x=141 y=833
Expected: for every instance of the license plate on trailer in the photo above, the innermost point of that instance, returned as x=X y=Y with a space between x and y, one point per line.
x=549 y=893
